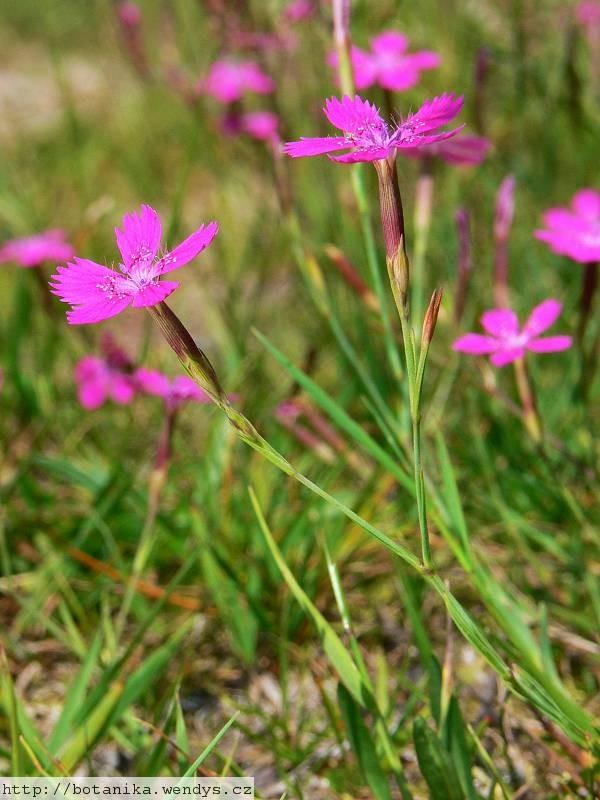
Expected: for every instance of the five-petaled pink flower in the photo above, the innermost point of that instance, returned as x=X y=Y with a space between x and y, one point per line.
x=109 y=376
x=228 y=81
x=388 y=63
x=369 y=138
x=32 y=251
x=575 y=231
x=462 y=151
x=97 y=293
x=175 y=393
x=505 y=341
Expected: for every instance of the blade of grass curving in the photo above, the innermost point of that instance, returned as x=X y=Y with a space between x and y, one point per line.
x=75 y=695
x=210 y=747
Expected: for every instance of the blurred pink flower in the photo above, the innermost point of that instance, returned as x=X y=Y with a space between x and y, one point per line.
x=467 y=151
x=32 y=251
x=175 y=393
x=108 y=376
x=507 y=342
x=261 y=125
x=369 y=138
x=129 y=14
x=588 y=13
x=97 y=293
x=298 y=10
x=388 y=63
x=228 y=80
x=575 y=231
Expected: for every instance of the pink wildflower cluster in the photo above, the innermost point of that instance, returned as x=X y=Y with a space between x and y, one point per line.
x=32 y=251
x=261 y=125
x=388 y=64
x=574 y=232
x=368 y=137
x=229 y=81
x=96 y=292
x=108 y=376
x=175 y=392
x=112 y=375
x=505 y=341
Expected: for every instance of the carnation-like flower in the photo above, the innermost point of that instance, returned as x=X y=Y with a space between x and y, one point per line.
x=228 y=81
x=574 y=231
x=108 y=376
x=369 y=138
x=388 y=64
x=175 y=392
x=462 y=151
x=505 y=341
x=32 y=251
x=97 y=292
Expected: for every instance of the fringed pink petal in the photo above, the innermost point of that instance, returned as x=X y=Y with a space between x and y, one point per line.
x=154 y=293
x=139 y=239
x=352 y=115
x=550 y=344
x=316 y=146
x=500 y=322
x=507 y=356
x=542 y=317
x=476 y=345
x=188 y=249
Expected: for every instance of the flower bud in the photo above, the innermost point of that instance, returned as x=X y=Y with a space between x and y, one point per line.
x=431 y=316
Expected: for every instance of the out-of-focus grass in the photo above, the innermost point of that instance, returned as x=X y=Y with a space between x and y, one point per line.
x=94 y=142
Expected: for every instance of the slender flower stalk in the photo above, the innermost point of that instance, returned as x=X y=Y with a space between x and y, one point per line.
x=505 y=208
x=465 y=263
x=392 y=222
x=531 y=418
x=422 y=226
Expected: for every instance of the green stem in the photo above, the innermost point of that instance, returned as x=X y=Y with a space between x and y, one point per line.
x=422 y=226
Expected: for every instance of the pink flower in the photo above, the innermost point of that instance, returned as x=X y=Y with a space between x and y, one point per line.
x=261 y=125
x=388 y=64
x=109 y=376
x=298 y=10
x=588 y=13
x=228 y=81
x=369 y=138
x=466 y=151
x=575 y=231
x=97 y=293
x=129 y=14
x=175 y=393
x=31 y=251
x=506 y=342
